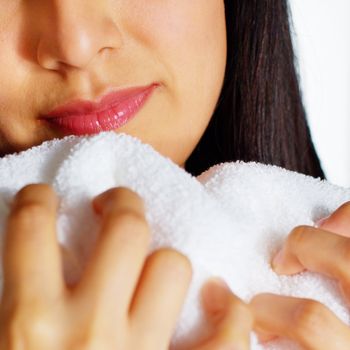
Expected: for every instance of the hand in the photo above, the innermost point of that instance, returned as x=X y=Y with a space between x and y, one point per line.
x=231 y=319
x=124 y=299
x=326 y=250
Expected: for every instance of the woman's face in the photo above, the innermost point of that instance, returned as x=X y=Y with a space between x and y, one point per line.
x=55 y=51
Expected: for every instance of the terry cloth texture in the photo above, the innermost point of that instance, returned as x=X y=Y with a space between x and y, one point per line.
x=229 y=221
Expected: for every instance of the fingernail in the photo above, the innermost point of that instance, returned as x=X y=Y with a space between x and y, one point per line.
x=277 y=261
x=215 y=294
x=320 y=222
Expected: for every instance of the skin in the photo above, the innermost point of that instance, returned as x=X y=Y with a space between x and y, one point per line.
x=124 y=300
x=53 y=51
x=323 y=249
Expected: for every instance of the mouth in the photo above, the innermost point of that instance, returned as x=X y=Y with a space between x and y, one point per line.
x=82 y=117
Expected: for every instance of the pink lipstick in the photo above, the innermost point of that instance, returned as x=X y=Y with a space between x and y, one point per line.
x=81 y=117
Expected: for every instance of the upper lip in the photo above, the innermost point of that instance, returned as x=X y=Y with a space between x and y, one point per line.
x=83 y=107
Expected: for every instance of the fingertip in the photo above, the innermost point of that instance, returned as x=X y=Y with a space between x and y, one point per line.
x=101 y=200
x=96 y=205
x=284 y=264
x=41 y=193
x=120 y=197
x=215 y=295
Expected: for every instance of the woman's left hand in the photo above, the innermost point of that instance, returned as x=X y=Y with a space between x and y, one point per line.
x=326 y=250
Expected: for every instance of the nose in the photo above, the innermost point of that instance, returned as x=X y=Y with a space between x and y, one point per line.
x=73 y=32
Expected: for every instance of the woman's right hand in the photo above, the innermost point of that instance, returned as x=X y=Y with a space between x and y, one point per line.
x=125 y=300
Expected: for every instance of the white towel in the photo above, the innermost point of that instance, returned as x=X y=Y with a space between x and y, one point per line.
x=229 y=221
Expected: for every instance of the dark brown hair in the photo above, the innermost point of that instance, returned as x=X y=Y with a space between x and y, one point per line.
x=259 y=115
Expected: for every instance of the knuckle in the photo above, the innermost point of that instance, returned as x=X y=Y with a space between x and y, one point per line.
x=297 y=236
x=27 y=328
x=309 y=318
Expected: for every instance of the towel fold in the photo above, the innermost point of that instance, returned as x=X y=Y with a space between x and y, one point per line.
x=229 y=221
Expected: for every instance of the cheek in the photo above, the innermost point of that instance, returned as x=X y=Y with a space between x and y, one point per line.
x=15 y=89
x=10 y=66
x=189 y=40
x=19 y=82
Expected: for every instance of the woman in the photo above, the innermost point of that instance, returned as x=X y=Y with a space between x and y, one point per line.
x=202 y=82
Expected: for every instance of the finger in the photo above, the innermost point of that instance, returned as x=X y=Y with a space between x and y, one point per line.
x=305 y=321
x=32 y=262
x=112 y=272
x=338 y=222
x=231 y=318
x=159 y=297
x=314 y=249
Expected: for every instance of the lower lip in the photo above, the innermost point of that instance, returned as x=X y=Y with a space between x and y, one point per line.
x=109 y=119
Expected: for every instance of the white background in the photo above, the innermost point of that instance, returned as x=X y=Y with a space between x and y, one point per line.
x=322 y=29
